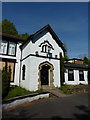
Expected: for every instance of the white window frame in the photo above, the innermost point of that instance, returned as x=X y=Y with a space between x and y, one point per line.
x=3 y=47
x=12 y=46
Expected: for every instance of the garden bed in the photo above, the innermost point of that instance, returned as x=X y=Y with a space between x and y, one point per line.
x=72 y=89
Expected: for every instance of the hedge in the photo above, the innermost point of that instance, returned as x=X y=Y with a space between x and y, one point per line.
x=6 y=76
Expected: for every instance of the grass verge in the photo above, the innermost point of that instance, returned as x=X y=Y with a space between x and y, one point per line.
x=18 y=91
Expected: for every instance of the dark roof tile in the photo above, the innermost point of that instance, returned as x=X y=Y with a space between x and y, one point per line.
x=12 y=36
x=72 y=65
x=52 y=33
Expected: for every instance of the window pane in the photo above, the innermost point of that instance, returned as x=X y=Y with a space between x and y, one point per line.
x=81 y=72
x=23 y=72
x=43 y=48
x=12 y=69
x=3 y=47
x=46 y=48
x=81 y=75
x=11 y=48
x=70 y=71
x=50 y=55
x=70 y=75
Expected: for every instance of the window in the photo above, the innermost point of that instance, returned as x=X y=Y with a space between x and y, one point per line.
x=36 y=52
x=8 y=48
x=87 y=75
x=12 y=65
x=12 y=47
x=50 y=55
x=23 y=72
x=44 y=48
x=55 y=56
x=81 y=75
x=70 y=75
x=3 y=47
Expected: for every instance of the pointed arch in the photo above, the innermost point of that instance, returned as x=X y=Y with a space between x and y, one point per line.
x=51 y=68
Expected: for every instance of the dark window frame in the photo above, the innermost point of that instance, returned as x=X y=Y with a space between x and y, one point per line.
x=70 y=75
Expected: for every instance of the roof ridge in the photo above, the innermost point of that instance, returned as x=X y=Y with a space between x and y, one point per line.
x=55 y=37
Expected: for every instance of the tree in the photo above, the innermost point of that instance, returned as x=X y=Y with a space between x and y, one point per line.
x=25 y=35
x=8 y=27
x=62 y=70
x=65 y=55
x=86 y=61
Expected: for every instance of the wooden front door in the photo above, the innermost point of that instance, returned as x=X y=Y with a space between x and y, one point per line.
x=45 y=75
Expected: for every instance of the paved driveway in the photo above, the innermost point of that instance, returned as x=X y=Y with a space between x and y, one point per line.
x=75 y=106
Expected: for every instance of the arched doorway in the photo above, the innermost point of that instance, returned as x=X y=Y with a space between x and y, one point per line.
x=46 y=74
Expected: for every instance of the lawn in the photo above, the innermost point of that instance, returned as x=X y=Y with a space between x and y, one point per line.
x=71 y=89
x=67 y=89
x=18 y=91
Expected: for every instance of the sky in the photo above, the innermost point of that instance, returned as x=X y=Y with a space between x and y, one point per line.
x=69 y=20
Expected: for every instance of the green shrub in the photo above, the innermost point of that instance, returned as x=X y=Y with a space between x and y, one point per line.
x=66 y=89
x=6 y=76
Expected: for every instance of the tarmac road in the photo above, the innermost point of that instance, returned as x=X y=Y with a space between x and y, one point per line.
x=74 y=106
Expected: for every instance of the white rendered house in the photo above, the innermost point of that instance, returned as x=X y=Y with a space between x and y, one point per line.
x=36 y=62
x=75 y=74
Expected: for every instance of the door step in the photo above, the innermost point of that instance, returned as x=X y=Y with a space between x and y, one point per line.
x=57 y=93
x=47 y=87
x=54 y=91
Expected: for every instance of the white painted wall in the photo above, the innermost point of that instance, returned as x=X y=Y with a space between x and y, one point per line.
x=26 y=83
x=32 y=70
x=32 y=62
x=17 y=65
x=76 y=78
x=24 y=100
x=31 y=48
x=8 y=57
